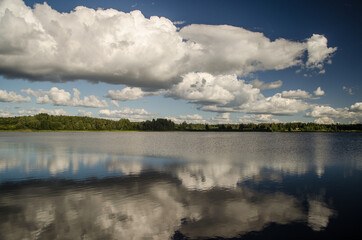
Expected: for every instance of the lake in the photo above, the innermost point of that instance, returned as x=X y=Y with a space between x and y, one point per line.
x=180 y=185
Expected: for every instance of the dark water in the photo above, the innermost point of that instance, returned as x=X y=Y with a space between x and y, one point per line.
x=180 y=185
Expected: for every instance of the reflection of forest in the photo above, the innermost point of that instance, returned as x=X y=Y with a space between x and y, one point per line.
x=47 y=122
x=149 y=205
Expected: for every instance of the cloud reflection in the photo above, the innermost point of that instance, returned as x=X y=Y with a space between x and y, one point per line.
x=202 y=160
x=200 y=185
x=145 y=206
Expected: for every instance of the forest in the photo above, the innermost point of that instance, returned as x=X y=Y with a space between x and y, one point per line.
x=45 y=122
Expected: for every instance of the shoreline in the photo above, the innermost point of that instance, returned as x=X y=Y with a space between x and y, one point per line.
x=199 y=131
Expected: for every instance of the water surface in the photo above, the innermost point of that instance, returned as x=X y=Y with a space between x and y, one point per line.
x=180 y=185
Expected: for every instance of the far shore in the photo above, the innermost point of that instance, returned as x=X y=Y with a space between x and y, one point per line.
x=186 y=131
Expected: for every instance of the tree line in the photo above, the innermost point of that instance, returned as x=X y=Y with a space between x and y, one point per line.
x=44 y=121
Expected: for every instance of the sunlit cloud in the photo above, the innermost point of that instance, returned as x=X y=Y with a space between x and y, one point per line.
x=60 y=97
x=129 y=93
x=296 y=94
x=42 y=44
x=128 y=113
x=318 y=92
x=11 y=96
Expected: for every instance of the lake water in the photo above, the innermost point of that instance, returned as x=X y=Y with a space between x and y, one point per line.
x=180 y=185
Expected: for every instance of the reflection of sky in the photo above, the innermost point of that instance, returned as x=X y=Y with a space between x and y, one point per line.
x=200 y=161
x=116 y=208
x=202 y=185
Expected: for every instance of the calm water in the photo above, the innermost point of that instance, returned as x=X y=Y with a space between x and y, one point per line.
x=180 y=185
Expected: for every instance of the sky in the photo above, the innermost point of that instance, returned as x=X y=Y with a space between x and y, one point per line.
x=196 y=61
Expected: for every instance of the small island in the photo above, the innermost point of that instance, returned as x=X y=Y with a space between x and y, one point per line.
x=45 y=122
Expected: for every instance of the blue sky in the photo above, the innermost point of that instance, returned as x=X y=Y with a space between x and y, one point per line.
x=196 y=61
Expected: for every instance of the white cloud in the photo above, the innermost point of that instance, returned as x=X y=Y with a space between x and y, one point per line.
x=327 y=111
x=4 y=113
x=222 y=118
x=195 y=118
x=115 y=103
x=262 y=85
x=318 y=52
x=179 y=22
x=277 y=105
x=258 y=118
x=12 y=97
x=173 y=119
x=127 y=48
x=339 y=113
x=60 y=97
x=128 y=113
x=226 y=93
x=318 y=92
x=324 y=120
x=129 y=93
x=226 y=49
x=205 y=88
x=357 y=107
x=348 y=90
x=95 y=45
x=296 y=94
x=34 y=111
x=84 y=113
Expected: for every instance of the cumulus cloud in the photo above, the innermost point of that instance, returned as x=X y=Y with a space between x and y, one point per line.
x=84 y=113
x=129 y=113
x=296 y=94
x=205 y=88
x=325 y=113
x=12 y=97
x=318 y=92
x=222 y=118
x=328 y=111
x=227 y=93
x=127 y=48
x=226 y=49
x=95 y=45
x=277 y=105
x=60 y=97
x=4 y=113
x=195 y=118
x=31 y=112
x=324 y=120
x=357 y=107
x=258 y=118
x=34 y=111
x=262 y=85
x=129 y=93
x=318 y=52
